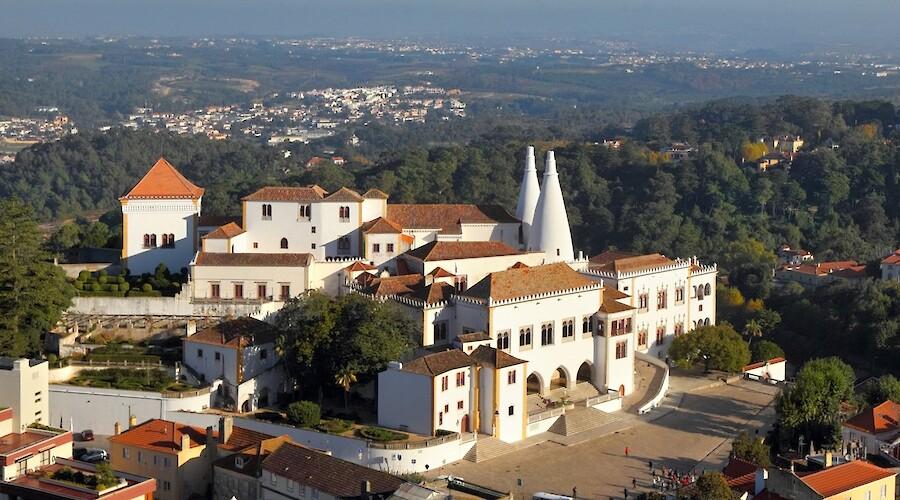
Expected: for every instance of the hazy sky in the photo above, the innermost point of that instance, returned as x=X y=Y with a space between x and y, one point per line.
x=703 y=24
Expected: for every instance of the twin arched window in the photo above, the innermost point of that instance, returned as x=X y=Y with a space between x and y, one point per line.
x=267 y=211
x=168 y=240
x=344 y=213
x=150 y=240
x=503 y=341
x=284 y=243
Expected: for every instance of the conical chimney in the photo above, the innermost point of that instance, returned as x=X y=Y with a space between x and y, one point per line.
x=550 y=231
x=529 y=192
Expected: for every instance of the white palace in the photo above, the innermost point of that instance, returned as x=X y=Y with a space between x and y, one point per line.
x=508 y=311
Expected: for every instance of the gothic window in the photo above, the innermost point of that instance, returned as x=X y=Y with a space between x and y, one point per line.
x=568 y=329
x=547 y=334
x=284 y=243
x=707 y=289
x=267 y=211
x=621 y=349
x=662 y=299
x=643 y=301
x=503 y=341
x=146 y=241
x=153 y=241
x=525 y=337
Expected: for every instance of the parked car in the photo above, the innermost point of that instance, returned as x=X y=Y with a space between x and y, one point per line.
x=95 y=455
x=77 y=453
x=87 y=435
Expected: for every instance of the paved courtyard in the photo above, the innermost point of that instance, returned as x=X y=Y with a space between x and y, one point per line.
x=694 y=436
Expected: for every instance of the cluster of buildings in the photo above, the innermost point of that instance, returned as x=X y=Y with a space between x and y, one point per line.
x=308 y=115
x=21 y=132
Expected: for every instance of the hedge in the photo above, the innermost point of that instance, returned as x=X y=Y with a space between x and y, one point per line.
x=136 y=293
x=304 y=413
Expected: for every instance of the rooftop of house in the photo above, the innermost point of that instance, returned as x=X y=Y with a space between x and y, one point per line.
x=380 y=225
x=495 y=357
x=360 y=266
x=614 y=261
x=528 y=281
x=34 y=484
x=414 y=286
x=438 y=363
x=892 y=259
x=740 y=474
x=161 y=435
x=763 y=363
x=328 y=474
x=238 y=333
x=163 y=181
x=287 y=193
x=375 y=194
x=473 y=337
x=229 y=230
x=825 y=268
x=254 y=259
x=447 y=219
x=877 y=419
x=16 y=441
x=840 y=478
x=456 y=250
x=611 y=304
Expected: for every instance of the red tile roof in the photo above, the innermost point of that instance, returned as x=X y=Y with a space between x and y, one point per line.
x=283 y=193
x=447 y=219
x=229 y=230
x=254 y=259
x=877 y=419
x=611 y=304
x=237 y=333
x=163 y=181
x=161 y=435
x=455 y=250
x=763 y=363
x=740 y=474
x=344 y=194
x=840 y=478
x=529 y=281
x=328 y=474
x=893 y=258
x=359 y=266
x=620 y=262
x=438 y=363
x=241 y=438
x=440 y=272
x=495 y=357
x=381 y=226
x=376 y=194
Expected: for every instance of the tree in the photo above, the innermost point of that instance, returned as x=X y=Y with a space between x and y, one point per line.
x=752 y=151
x=712 y=486
x=345 y=378
x=718 y=347
x=33 y=291
x=751 y=449
x=752 y=329
x=885 y=388
x=304 y=413
x=811 y=407
x=765 y=350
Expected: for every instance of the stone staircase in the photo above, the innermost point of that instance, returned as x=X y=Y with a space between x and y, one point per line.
x=580 y=419
x=486 y=448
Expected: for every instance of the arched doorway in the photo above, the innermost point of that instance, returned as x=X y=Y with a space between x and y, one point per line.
x=559 y=379
x=622 y=391
x=535 y=384
x=584 y=373
x=464 y=424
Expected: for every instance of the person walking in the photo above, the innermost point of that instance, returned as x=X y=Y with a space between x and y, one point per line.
x=626 y=451
x=634 y=483
x=650 y=464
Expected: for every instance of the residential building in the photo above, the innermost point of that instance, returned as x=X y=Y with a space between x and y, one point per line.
x=296 y=472
x=23 y=387
x=813 y=275
x=28 y=449
x=238 y=475
x=890 y=267
x=55 y=482
x=794 y=257
x=874 y=431
x=238 y=357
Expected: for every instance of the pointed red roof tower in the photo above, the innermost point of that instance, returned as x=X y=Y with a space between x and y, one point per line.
x=163 y=181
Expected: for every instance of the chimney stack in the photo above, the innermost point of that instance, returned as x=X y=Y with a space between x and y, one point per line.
x=226 y=425
x=117 y=428
x=550 y=232
x=365 y=490
x=185 y=441
x=829 y=459
x=529 y=192
x=132 y=421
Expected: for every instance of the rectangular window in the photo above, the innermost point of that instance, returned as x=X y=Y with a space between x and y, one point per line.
x=238 y=290
x=45 y=458
x=445 y=382
x=125 y=453
x=305 y=211
x=460 y=379
x=199 y=353
x=255 y=244
x=312 y=229
x=621 y=349
x=285 y=292
x=440 y=331
x=459 y=405
x=511 y=377
x=264 y=354
x=313 y=246
x=446 y=408
x=441 y=418
x=376 y=247
x=21 y=467
x=390 y=248
x=167 y=486
x=344 y=244
x=511 y=411
x=140 y=457
x=214 y=291
x=547 y=334
x=660 y=335
x=290 y=485
x=261 y=291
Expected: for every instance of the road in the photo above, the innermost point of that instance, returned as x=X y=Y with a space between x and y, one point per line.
x=695 y=436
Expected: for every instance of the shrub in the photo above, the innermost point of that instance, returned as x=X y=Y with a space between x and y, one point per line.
x=123 y=287
x=125 y=271
x=102 y=279
x=120 y=279
x=335 y=426
x=78 y=285
x=84 y=275
x=147 y=287
x=304 y=413
x=96 y=287
x=381 y=434
x=161 y=270
x=103 y=273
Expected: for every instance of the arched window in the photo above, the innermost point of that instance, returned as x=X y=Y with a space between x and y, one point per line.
x=171 y=240
x=503 y=341
x=344 y=213
x=707 y=290
x=153 y=240
x=146 y=241
x=267 y=211
x=706 y=321
x=524 y=337
x=284 y=243
x=586 y=324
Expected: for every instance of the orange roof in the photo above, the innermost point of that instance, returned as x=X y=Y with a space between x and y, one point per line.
x=877 y=419
x=241 y=438
x=284 y=193
x=254 y=259
x=344 y=194
x=840 y=478
x=447 y=218
x=229 y=230
x=453 y=250
x=163 y=181
x=440 y=272
x=763 y=363
x=893 y=258
x=528 y=281
x=380 y=226
x=237 y=333
x=610 y=304
x=359 y=266
x=740 y=474
x=621 y=262
x=519 y=265
x=375 y=194
x=161 y=435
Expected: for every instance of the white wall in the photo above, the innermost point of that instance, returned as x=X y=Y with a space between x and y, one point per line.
x=251 y=277
x=404 y=399
x=157 y=306
x=512 y=427
x=505 y=232
x=201 y=357
x=178 y=217
x=446 y=401
x=24 y=389
x=773 y=371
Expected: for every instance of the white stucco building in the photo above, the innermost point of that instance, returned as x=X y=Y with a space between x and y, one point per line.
x=890 y=267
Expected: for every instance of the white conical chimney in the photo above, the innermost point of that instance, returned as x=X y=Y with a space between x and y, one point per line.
x=550 y=232
x=528 y=196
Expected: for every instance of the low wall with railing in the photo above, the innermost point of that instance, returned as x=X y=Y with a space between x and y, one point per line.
x=73 y=368
x=664 y=386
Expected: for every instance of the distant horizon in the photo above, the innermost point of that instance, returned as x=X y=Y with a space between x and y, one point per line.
x=700 y=25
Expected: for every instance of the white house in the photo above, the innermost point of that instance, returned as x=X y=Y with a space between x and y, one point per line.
x=241 y=354
x=890 y=267
x=875 y=431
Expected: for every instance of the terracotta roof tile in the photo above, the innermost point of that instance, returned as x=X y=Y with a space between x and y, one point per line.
x=455 y=250
x=524 y=282
x=238 y=333
x=446 y=218
x=375 y=194
x=473 y=337
x=519 y=265
x=434 y=293
x=359 y=266
x=613 y=293
x=395 y=285
x=495 y=357
x=877 y=419
x=893 y=258
x=161 y=435
x=229 y=230
x=344 y=194
x=440 y=272
x=840 y=478
x=763 y=363
x=620 y=262
x=279 y=193
x=438 y=363
x=330 y=475
x=241 y=438
x=164 y=181
x=254 y=259
x=611 y=305
x=380 y=226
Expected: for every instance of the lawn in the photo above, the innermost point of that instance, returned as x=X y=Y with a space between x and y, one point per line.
x=128 y=379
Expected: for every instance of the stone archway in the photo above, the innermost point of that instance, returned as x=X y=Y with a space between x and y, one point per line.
x=585 y=372
x=559 y=379
x=535 y=384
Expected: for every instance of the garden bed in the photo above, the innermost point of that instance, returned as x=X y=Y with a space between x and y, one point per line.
x=127 y=379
